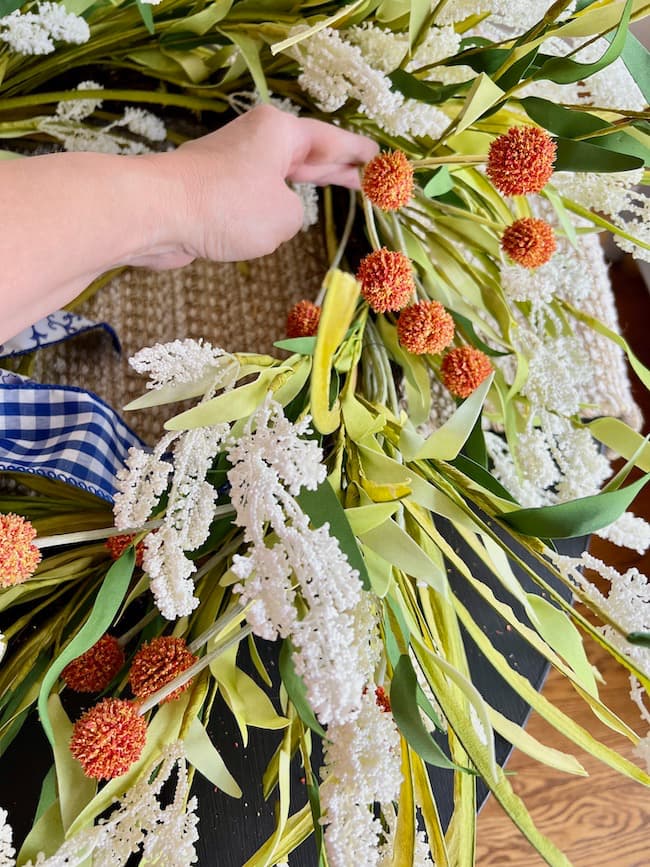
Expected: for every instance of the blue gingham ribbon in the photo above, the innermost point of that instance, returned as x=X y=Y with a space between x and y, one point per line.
x=63 y=433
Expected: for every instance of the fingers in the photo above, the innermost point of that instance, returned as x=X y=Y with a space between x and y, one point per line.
x=325 y=154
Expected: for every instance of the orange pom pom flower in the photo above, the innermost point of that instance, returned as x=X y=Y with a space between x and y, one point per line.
x=117 y=545
x=529 y=242
x=158 y=663
x=386 y=278
x=464 y=369
x=96 y=668
x=303 y=319
x=18 y=556
x=521 y=161
x=388 y=180
x=425 y=327
x=108 y=738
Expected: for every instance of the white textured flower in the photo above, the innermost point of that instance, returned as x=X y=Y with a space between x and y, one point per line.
x=536 y=285
x=642 y=751
x=7 y=851
x=186 y=525
x=361 y=766
x=627 y=602
x=140 y=484
x=77 y=138
x=558 y=373
x=167 y=834
x=35 y=32
x=335 y=70
x=143 y=123
x=382 y=49
x=308 y=195
x=515 y=478
x=628 y=531
x=180 y=361
x=78 y=109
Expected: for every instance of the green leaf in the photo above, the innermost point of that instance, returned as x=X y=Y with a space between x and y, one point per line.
x=474 y=447
x=9 y=6
x=621 y=438
x=395 y=545
x=365 y=518
x=575 y=518
x=323 y=507
x=107 y=603
x=582 y=156
x=203 y=754
x=146 y=14
x=483 y=477
x=637 y=59
x=439 y=183
x=621 y=142
x=445 y=443
x=296 y=689
x=424 y=91
x=640 y=638
x=75 y=789
x=406 y=713
x=467 y=327
x=561 y=121
x=299 y=345
x=48 y=794
x=563 y=70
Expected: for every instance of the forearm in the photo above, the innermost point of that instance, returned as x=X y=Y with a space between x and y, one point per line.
x=66 y=219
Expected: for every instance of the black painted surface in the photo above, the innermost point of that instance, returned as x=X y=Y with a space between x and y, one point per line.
x=231 y=830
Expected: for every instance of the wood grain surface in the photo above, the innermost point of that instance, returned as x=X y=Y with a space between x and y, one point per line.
x=602 y=820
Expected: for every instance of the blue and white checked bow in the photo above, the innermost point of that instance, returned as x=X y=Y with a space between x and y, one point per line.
x=60 y=432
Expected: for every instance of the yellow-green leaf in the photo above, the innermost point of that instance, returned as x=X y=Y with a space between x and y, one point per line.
x=203 y=754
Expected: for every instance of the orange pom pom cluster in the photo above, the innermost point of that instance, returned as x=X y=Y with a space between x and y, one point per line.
x=386 y=278
x=96 y=668
x=117 y=545
x=158 y=663
x=529 y=242
x=425 y=327
x=521 y=161
x=388 y=180
x=303 y=319
x=18 y=556
x=463 y=369
x=108 y=738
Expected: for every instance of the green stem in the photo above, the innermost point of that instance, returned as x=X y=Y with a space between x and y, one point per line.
x=144 y=96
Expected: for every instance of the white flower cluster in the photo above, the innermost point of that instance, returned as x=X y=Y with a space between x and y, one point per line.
x=628 y=531
x=140 y=484
x=333 y=626
x=554 y=463
x=421 y=848
x=558 y=373
x=79 y=109
x=191 y=503
x=563 y=276
x=186 y=525
x=627 y=602
x=35 y=32
x=7 y=851
x=163 y=835
x=361 y=766
x=144 y=123
x=335 y=70
x=181 y=361
x=616 y=194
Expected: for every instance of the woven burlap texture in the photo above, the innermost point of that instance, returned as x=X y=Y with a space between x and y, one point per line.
x=243 y=308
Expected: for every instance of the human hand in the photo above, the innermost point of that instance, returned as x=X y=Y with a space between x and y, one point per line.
x=231 y=200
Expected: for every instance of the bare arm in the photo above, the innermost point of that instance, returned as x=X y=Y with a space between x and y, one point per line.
x=67 y=218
